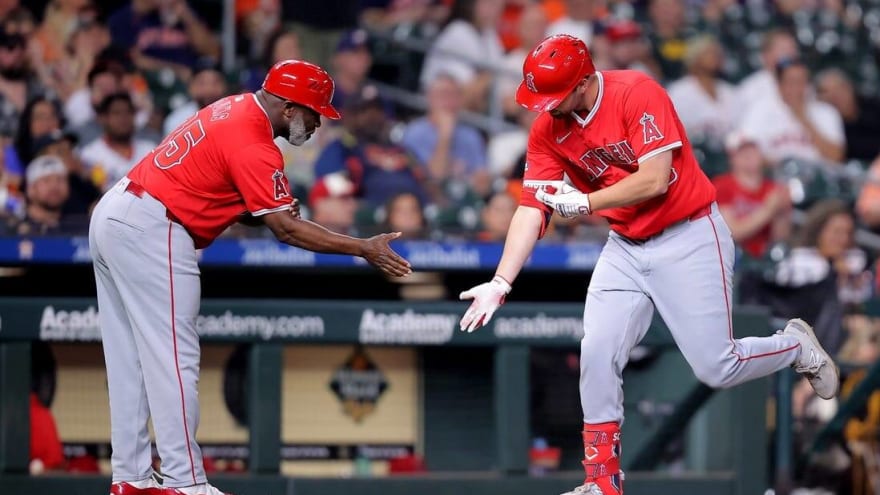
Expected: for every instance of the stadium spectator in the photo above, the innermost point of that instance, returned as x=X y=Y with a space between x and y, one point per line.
x=259 y=22
x=756 y=209
x=350 y=65
x=404 y=214
x=19 y=83
x=819 y=273
x=107 y=77
x=363 y=162
x=12 y=203
x=789 y=123
x=447 y=149
x=337 y=213
x=40 y=116
x=207 y=85
x=531 y=27
x=505 y=151
x=281 y=45
x=83 y=193
x=60 y=20
x=627 y=48
x=776 y=45
x=167 y=34
x=468 y=49
x=669 y=33
x=868 y=202
x=385 y=15
x=110 y=156
x=705 y=103
x=46 y=451
x=495 y=217
x=103 y=79
x=860 y=113
x=69 y=72
x=580 y=20
x=320 y=25
x=47 y=192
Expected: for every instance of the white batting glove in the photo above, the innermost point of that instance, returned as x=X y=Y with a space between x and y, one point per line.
x=487 y=298
x=567 y=201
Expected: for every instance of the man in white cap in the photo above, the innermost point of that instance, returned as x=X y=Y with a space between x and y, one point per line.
x=47 y=191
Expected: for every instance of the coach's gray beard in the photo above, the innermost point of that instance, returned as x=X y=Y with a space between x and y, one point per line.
x=298 y=134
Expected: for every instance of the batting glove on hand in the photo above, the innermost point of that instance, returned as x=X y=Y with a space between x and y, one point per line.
x=567 y=201
x=487 y=298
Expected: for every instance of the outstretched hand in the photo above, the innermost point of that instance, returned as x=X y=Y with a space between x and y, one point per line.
x=378 y=253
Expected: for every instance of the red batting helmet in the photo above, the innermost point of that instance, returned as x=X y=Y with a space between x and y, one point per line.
x=552 y=70
x=302 y=83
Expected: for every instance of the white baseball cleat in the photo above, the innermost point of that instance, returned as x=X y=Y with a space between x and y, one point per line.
x=587 y=489
x=814 y=363
x=204 y=489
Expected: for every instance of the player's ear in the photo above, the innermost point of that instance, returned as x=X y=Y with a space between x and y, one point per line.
x=289 y=109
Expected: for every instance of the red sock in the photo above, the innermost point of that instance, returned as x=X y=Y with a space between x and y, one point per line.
x=602 y=457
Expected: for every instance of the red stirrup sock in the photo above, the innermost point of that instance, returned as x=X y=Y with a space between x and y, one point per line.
x=602 y=457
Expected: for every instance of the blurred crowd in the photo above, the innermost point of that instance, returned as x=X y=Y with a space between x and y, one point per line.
x=779 y=99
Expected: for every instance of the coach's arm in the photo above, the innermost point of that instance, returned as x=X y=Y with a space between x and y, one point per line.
x=251 y=221
x=313 y=237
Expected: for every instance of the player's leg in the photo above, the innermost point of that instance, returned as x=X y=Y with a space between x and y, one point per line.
x=690 y=282
x=131 y=459
x=168 y=347
x=617 y=313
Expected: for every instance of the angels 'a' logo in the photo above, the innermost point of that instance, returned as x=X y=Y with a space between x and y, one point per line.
x=649 y=128
x=530 y=82
x=279 y=186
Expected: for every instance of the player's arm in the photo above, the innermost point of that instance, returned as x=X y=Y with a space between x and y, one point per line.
x=524 y=231
x=313 y=237
x=526 y=227
x=649 y=181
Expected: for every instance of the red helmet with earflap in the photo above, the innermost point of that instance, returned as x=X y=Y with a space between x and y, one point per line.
x=552 y=70
x=302 y=83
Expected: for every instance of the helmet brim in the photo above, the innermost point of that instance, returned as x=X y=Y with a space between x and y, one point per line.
x=329 y=112
x=539 y=102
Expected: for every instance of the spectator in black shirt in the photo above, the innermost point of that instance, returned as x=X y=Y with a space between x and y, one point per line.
x=861 y=114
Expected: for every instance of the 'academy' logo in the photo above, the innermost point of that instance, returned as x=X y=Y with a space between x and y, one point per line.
x=649 y=129
x=280 y=187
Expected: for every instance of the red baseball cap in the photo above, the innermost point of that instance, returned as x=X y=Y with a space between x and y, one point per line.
x=552 y=70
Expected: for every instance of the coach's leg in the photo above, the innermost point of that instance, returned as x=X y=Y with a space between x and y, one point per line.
x=161 y=273
x=131 y=459
x=168 y=340
x=617 y=314
x=691 y=281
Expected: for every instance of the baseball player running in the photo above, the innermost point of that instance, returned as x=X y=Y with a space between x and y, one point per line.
x=617 y=138
x=218 y=167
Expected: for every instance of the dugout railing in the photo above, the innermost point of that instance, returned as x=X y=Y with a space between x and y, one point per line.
x=725 y=432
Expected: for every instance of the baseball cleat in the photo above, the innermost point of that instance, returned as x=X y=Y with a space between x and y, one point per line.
x=814 y=363
x=586 y=489
x=203 y=489
x=143 y=487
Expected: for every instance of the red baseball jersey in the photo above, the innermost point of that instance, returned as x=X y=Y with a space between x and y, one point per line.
x=632 y=121
x=743 y=202
x=216 y=166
